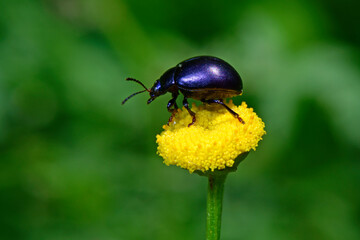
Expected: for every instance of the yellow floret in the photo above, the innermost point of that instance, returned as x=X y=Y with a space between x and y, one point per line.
x=214 y=141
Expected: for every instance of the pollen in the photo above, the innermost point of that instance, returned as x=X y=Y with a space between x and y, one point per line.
x=215 y=140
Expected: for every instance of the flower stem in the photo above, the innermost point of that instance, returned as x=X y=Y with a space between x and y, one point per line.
x=214 y=206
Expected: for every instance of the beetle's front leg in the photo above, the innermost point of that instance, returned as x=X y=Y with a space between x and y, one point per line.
x=186 y=105
x=172 y=103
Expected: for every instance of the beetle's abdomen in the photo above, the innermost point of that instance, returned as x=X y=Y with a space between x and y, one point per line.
x=207 y=73
x=208 y=93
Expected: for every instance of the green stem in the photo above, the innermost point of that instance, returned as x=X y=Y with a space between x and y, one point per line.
x=214 y=206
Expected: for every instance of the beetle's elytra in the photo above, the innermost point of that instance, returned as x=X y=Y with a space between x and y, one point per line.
x=205 y=78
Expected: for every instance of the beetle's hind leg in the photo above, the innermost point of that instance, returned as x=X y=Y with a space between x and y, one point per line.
x=172 y=103
x=186 y=105
x=219 y=101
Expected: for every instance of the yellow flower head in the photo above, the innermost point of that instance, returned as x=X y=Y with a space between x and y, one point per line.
x=214 y=141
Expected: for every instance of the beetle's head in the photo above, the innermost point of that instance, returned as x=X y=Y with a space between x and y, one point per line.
x=163 y=85
x=160 y=87
x=156 y=90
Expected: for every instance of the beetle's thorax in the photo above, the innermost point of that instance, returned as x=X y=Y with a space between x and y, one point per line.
x=167 y=80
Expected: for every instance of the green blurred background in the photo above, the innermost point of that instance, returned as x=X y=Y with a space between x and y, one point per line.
x=76 y=164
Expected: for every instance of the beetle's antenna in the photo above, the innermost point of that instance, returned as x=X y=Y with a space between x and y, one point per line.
x=132 y=96
x=133 y=79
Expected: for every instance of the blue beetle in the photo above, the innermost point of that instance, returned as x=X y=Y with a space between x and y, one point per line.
x=205 y=78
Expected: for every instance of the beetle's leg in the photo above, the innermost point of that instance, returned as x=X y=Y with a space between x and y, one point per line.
x=186 y=105
x=219 y=101
x=172 y=103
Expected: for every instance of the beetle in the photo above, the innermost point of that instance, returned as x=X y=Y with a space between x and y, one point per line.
x=205 y=78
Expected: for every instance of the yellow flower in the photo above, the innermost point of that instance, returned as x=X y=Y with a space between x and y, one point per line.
x=214 y=141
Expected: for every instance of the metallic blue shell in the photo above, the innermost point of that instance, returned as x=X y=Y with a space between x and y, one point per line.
x=205 y=72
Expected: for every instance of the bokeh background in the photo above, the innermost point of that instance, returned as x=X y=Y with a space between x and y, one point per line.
x=76 y=164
